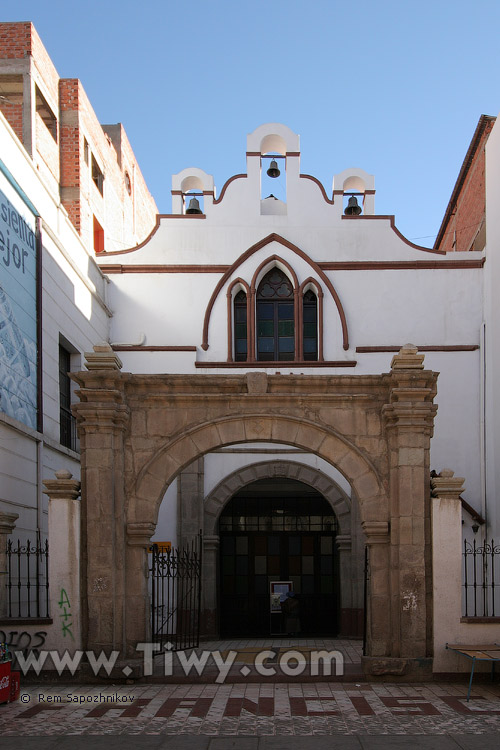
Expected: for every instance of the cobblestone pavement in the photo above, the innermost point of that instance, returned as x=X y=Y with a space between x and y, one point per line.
x=254 y=710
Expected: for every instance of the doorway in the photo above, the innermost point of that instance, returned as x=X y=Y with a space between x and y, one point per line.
x=278 y=530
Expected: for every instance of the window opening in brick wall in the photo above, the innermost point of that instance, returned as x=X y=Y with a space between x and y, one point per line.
x=97 y=175
x=98 y=237
x=46 y=114
x=85 y=151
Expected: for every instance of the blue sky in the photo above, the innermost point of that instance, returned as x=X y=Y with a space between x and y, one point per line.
x=395 y=88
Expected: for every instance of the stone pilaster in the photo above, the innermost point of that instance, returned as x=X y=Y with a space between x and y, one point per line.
x=102 y=418
x=210 y=577
x=7 y=526
x=138 y=600
x=344 y=546
x=64 y=558
x=190 y=503
x=378 y=614
x=409 y=420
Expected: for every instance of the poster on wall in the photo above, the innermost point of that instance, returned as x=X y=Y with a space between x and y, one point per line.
x=18 y=307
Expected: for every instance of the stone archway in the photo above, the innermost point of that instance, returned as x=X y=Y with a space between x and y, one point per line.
x=350 y=593
x=138 y=432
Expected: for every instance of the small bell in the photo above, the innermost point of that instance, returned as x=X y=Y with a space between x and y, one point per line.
x=194 y=207
x=352 y=207
x=273 y=170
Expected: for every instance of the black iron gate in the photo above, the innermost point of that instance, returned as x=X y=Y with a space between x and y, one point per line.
x=176 y=595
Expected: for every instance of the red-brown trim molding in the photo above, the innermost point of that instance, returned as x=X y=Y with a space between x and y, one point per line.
x=125 y=348
x=280 y=365
x=398 y=265
x=226 y=185
x=443 y=348
x=331 y=200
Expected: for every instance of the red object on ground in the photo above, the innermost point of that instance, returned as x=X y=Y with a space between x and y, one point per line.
x=15 y=686
x=4 y=681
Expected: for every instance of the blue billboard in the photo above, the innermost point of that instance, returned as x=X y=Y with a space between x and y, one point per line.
x=18 y=308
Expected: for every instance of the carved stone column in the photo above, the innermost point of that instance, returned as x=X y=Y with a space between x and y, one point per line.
x=409 y=420
x=7 y=526
x=102 y=417
x=64 y=558
x=447 y=566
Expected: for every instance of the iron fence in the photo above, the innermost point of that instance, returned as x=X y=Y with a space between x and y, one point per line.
x=481 y=579
x=28 y=579
x=176 y=595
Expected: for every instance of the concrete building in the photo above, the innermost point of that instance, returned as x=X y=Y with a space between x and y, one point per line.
x=69 y=188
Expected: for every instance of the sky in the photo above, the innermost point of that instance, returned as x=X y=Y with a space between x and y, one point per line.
x=395 y=88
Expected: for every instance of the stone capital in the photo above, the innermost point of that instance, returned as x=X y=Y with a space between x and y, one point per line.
x=377 y=532
x=139 y=533
x=211 y=542
x=343 y=542
x=8 y=522
x=447 y=485
x=63 y=486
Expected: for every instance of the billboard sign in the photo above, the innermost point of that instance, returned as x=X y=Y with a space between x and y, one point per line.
x=18 y=307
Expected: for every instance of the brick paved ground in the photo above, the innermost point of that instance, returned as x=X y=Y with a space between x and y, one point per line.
x=258 y=710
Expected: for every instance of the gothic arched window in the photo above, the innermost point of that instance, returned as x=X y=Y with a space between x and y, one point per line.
x=275 y=318
x=310 y=325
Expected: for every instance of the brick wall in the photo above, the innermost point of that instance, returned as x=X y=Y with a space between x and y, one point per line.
x=127 y=217
x=13 y=113
x=464 y=228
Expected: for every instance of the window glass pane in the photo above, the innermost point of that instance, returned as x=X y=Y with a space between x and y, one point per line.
x=326 y=545
x=310 y=346
x=310 y=330
x=266 y=345
x=265 y=328
x=260 y=564
x=265 y=311
x=241 y=346
x=285 y=311
x=309 y=314
x=242 y=545
x=285 y=328
x=242 y=565
x=241 y=330
x=261 y=584
x=240 y=314
x=286 y=344
x=308 y=564
x=273 y=545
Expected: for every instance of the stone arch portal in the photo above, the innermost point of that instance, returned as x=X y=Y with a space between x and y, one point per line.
x=138 y=432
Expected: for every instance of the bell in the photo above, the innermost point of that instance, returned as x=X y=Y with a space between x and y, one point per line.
x=273 y=170
x=194 y=207
x=352 y=207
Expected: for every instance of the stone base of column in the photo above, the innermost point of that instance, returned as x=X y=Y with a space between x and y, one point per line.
x=388 y=668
